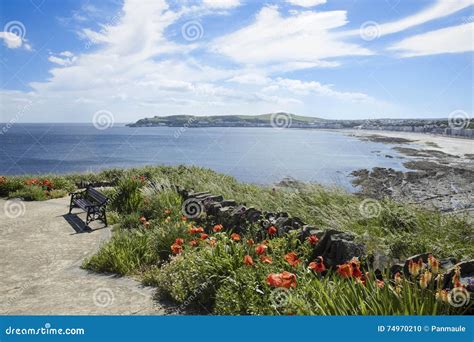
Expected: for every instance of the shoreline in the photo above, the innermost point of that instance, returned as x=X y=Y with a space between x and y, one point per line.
x=450 y=145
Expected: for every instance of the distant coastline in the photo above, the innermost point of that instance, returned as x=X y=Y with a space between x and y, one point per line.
x=446 y=127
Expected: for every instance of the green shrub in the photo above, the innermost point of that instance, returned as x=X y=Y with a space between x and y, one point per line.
x=159 y=205
x=130 y=221
x=9 y=185
x=126 y=253
x=30 y=193
x=127 y=198
x=164 y=235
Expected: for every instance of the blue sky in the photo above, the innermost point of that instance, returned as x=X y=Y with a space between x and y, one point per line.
x=62 y=61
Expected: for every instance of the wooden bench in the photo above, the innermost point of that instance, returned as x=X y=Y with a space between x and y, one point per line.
x=92 y=202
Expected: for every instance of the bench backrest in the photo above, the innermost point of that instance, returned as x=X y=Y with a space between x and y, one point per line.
x=96 y=196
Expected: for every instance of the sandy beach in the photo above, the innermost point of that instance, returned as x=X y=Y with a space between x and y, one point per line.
x=455 y=146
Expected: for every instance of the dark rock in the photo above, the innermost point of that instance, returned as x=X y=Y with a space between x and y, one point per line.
x=253 y=215
x=229 y=203
x=396 y=268
x=338 y=247
x=467 y=275
x=447 y=263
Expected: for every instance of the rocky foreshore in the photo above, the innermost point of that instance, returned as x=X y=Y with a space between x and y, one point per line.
x=434 y=180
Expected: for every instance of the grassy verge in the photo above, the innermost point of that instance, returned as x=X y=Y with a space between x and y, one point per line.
x=208 y=271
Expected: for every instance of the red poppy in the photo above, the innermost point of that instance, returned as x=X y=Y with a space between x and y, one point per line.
x=345 y=270
x=248 y=260
x=292 y=259
x=142 y=219
x=193 y=243
x=250 y=242
x=356 y=272
x=272 y=230
x=212 y=242
x=196 y=230
x=318 y=265
x=179 y=241
x=217 y=228
x=261 y=249
x=313 y=239
x=266 y=259
x=176 y=248
x=235 y=237
x=284 y=279
x=204 y=236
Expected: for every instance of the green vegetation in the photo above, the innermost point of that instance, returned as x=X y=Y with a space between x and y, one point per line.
x=197 y=267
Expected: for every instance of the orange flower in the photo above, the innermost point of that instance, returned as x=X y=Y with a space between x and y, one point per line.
x=167 y=211
x=142 y=219
x=292 y=259
x=345 y=270
x=217 y=228
x=318 y=265
x=250 y=242
x=204 y=236
x=147 y=225
x=356 y=272
x=248 y=260
x=433 y=263
x=457 y=277
x=272 y=230
x=284 y=279
x=379 y=283
x=313 y=239
x=261 y=249
x=212 y=242
x=179 y=241
x=235 y=236
x=415 y=267
x=398 y=278
x=266 y=259
x=196 y=230
x=425 y=279
x=442 y=296
x=176 y=248
x=183 y=218
x=193 y=243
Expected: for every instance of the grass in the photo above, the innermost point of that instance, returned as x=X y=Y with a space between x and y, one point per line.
x=212 y=276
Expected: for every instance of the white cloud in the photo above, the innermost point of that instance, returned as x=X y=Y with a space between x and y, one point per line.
x=64 y=58
x=312 y=87
x=441 y=8
x=304 y=38
x=13 y=41
x=306 y=3
x=454 y=39
x=221 y=4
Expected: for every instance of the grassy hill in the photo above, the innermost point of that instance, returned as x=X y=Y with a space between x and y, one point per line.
x=223 y=120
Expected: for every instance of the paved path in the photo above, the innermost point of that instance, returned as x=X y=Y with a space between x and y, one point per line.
x=41 y=251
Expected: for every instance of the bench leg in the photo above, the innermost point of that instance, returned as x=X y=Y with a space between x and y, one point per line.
x=88 y=218
x=71 y=205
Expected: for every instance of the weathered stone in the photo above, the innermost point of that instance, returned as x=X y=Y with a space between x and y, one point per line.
x=229 y=203
x=396 y=268
x=253 y=215
x=380 y=261
x=338 y=247
x=447 y=263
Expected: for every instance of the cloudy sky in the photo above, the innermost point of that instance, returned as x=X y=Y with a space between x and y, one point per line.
x=62 y=61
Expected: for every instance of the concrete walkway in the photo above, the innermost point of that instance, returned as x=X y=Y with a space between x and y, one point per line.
x=41 y=251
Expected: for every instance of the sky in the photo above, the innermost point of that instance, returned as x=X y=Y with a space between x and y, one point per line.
x=66 y=60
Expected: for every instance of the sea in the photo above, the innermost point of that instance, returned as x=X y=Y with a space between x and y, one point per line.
x=253 y=155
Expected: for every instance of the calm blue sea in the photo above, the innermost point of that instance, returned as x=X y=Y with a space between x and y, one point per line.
x=256 y=155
